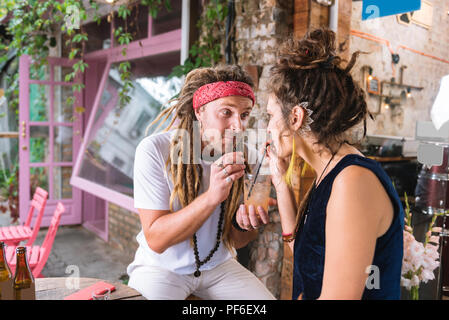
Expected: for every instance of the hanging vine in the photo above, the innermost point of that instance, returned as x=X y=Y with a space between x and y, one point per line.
x=33 y=24
x=207 y=50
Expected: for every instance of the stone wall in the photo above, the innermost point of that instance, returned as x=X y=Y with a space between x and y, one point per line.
x=421 y=71
x=260 y=27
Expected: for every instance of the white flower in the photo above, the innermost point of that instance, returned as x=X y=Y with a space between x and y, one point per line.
x=406 y=267
x=406 y=283
x=414 y=281
x=437 y=229
x=427 y=275
x=434 y=239
x=430 y=264
x=432 y=251
x=408 y=237
x=426 y=262
x=416 y=254
x=416 y=248
x=408 y=240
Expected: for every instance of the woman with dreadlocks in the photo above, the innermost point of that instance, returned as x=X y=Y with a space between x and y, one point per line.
x=188 y=204
x=347 y=234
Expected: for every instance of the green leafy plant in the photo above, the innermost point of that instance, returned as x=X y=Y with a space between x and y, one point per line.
x=9 y=187
x=34 y=23
x=206 y=51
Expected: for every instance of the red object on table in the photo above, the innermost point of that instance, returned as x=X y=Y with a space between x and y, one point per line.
x=86 y=293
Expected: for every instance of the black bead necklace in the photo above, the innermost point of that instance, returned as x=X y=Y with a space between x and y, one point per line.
x=195 y=244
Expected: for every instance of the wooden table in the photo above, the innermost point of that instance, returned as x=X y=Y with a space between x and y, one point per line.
x=58 y=288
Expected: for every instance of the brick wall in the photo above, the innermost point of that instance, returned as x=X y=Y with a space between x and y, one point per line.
x=123 y=228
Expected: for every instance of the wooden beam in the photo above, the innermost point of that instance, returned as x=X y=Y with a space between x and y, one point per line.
x=319 y=15
x=301 y=17
x=344 y=26
x=9 y=134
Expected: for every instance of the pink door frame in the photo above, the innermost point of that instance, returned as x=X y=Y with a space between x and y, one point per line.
x=151 y=46
x=73 y=205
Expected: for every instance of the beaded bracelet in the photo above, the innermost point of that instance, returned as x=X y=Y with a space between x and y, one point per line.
x=288 y=237
x=236 y=225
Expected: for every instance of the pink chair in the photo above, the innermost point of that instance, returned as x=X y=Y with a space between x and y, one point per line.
x=13 y=235
x=38 y=255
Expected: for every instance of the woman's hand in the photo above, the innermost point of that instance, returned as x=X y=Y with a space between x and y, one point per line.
x=278 y=167
x=223 y=173
x=250 y=220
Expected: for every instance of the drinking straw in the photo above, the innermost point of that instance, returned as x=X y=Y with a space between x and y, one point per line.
x=257 y=173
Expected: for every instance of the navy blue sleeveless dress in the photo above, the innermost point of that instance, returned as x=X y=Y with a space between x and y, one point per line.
x=309 y=247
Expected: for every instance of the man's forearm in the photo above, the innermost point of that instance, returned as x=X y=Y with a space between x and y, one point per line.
x=178 y=226
x=241 y=239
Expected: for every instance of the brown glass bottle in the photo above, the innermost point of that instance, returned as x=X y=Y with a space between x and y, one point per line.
x=24 y=288
x=6 y=286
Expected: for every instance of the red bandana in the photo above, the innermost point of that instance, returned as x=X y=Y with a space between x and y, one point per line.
x=213 y=91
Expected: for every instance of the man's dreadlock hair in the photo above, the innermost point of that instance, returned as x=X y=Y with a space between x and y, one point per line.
x=187 y=176
x=309 y=69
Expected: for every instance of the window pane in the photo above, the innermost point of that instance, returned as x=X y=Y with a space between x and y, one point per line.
x=39 y=141
x=39 y=72
x=39 y=102
x=63 y=112
x=115 y=134
x=61 y=183
x=61 y=71
x=38 y=178
x=63 y=144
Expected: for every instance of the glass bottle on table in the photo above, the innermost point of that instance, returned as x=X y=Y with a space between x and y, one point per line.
x=6 y=281
x=24 y=286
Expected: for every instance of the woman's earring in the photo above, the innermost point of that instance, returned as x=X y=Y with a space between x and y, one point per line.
x=305 y=127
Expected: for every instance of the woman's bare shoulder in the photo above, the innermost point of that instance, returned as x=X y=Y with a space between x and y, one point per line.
x=360 y=188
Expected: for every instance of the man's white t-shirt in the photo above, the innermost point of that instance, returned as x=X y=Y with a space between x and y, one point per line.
x=152 y=189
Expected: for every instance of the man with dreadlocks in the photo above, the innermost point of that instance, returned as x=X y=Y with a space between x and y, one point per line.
x=188 y=206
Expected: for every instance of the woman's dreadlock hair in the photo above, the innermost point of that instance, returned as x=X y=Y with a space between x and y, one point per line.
x=310 y=70
x=187 y=176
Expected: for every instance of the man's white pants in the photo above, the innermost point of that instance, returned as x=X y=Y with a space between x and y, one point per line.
x=228 y=281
